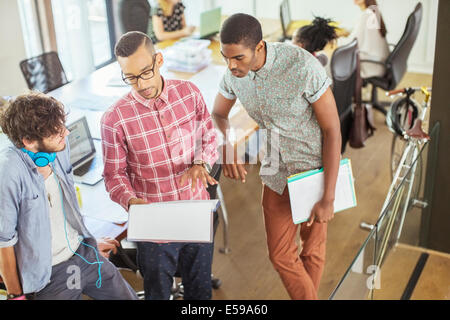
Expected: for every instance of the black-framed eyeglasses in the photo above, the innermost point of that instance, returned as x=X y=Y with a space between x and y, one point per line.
x=145 y=75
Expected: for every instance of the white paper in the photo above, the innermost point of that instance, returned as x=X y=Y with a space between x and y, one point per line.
x=304 y=193
x=97 y=204
x=173 y=221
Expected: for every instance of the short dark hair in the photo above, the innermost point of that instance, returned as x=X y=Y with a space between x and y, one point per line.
x=32 y=116
x=130 y=42
x=241 y=28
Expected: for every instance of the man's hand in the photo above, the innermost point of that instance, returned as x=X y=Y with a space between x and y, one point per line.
x=136 y=201
x=322 y=212
x=232 y=170
x=197 y=172
x=106 y=245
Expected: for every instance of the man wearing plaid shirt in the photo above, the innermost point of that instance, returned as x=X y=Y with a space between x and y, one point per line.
x=158 y=145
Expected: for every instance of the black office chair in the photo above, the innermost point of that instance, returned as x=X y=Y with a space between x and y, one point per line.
x=396 y=63
x=44 y=73
x=134 y=15
x=343 y=70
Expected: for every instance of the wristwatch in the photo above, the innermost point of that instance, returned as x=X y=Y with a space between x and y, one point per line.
x=203 y=164
x=14 y=296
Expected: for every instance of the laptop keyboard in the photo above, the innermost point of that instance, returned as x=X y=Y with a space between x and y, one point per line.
x=88 y=169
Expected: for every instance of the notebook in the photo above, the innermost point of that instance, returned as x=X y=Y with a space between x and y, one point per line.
x=306 y=189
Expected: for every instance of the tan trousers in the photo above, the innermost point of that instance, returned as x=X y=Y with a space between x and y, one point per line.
x=300 y=274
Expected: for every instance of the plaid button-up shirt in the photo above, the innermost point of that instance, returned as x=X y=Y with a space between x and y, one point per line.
x=149 y=143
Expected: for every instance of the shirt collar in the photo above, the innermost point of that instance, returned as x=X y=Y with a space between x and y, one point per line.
x=263 y=73
x=153 y=103
x=26 y=158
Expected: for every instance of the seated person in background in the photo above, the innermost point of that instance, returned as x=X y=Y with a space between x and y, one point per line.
x=370 y=31
x=46 y=251
x=314 y=37
x=169 y=21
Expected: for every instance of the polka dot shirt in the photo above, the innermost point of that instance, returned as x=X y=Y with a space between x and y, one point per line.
x=278 y=97
x=175 y=21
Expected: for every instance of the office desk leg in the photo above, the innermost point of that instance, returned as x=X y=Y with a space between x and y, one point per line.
x=223 y=211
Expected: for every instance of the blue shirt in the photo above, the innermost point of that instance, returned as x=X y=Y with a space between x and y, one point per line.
x=24 y=213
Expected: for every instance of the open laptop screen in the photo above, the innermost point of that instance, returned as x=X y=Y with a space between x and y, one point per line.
x=82 y=147
x=210 y=22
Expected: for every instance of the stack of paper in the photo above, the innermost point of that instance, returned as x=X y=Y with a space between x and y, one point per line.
x=190 y=55
x=173 y=221
x=306 y=189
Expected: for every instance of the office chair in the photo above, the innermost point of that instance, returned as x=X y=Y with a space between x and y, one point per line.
x=43 y=73
x=396 y=63
x=343 y=69
x=134 y=15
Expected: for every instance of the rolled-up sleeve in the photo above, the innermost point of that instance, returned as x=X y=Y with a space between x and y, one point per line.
x=317 y=81
x=9 y=208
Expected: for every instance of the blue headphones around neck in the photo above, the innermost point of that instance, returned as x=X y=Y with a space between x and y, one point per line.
x=41 y=159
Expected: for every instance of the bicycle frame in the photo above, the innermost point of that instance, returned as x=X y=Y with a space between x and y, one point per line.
x=413 y=141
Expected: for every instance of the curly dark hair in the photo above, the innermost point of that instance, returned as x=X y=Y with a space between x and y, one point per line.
x=315 y=36
x=32 y=116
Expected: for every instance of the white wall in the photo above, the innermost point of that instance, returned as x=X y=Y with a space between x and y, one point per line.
x=395 y=14
x=12 y=51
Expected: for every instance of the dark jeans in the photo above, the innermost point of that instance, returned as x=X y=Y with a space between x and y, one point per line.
x=158 y=263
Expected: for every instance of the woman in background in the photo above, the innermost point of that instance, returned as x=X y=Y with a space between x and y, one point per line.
x=370 y=31
x=169 y=21
x=314 y=37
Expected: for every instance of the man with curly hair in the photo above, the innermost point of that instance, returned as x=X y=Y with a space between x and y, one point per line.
x=46 y=251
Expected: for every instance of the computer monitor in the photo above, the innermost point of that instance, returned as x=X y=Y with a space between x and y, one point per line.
x=210 y=22
x=285 y=17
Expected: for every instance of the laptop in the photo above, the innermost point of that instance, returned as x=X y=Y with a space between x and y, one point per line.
x=210 y=21
x=84 y=155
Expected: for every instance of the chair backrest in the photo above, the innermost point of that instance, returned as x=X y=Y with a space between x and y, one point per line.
x=396 y=62
x=344 y=73
x=44 y=73
x=285 y=17
x=134 y=15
